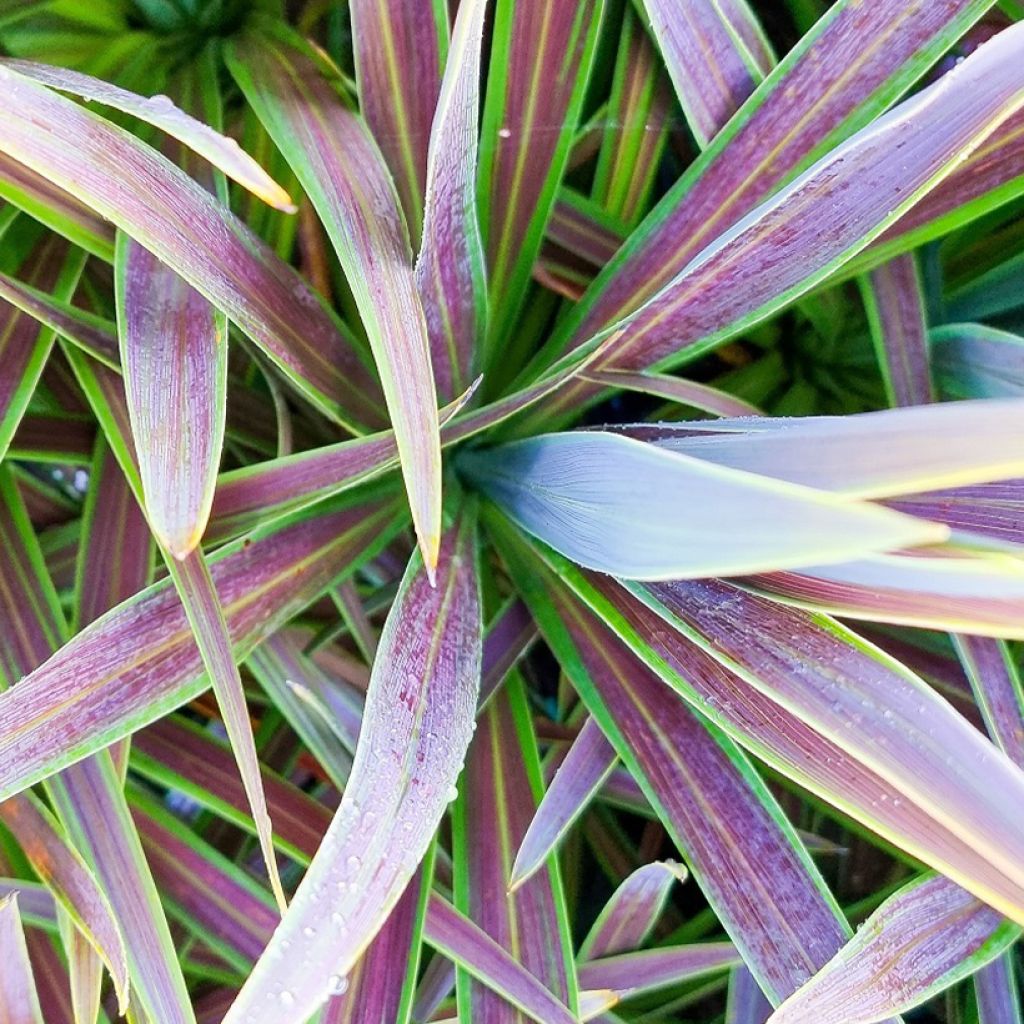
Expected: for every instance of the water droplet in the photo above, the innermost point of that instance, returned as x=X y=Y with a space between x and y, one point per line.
x=286 y=998
x=337 y=984
x=309 y=932
x=504 y=133
x=453 y=793
x=353 y=863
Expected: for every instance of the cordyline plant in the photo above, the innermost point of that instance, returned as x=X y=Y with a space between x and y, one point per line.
x=580 y=443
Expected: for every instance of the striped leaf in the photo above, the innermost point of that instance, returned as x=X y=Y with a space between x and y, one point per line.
x=450 y=272
x=340 y=167
x=399 y=53
x=499 y=791
x=184 y=226
x=417 y=725
x=541 y=55
x=919 y=942
x=17 y=984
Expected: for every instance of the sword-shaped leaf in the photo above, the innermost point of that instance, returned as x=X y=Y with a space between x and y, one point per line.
x=709 y=63
x=67 y=876
x=578 y=779
x=635 y=510
x=899 y=329
x=18 y=994
x=627 y=919
x=399 y=51
x=337 y=160
x=159 y=206
x=922 y=940
x=998 y=995
x=160 y=111
x=541 y=55
x=827 y=86
x=742 y=852
x=958 y=591
x=416 y=727
x=139 y=660
x=499 y=791
x=871 y=455
x=450 y=272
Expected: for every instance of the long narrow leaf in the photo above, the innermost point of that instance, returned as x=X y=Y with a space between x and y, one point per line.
x=450 y=267
x=499 y=792
x=184 y=226
x=625 y=507
x=417 y=726
x=18 y=994
x=922 y=940
x=342 y=171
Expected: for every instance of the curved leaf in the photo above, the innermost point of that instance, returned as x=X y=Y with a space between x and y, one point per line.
x=629 y=508
x=416 y=727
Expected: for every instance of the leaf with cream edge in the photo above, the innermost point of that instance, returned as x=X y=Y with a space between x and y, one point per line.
x=177 y=220
x=751 y=270
x=67 y=876
x=627 y=919
x=450 y=272
x=709 y=64
x=827 y=87
x=499 y=790
x=624 y=507
x=869 y=455
x=59 y=714
x=399 y=51
x=577 y=780
x=894 y=300
x=159 y=111
x=925 y=938
x=174 y=361
x=87 y=796
x=541 y=56
x=18 y=994
x=751 y=666
x=766 y=892
x=417 y=724
x=337 y=160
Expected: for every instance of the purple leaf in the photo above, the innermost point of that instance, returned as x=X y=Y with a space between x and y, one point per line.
x=647 y=970
x=826 y=88
x=997 y=688
x=996 y=988
x=222 y=152
x=183 y=225
x=710 y=66
x=337 y=160
x=896 y=313
x=175 y=363
x=17 y=986
x=579 y=778
x=627 y=919
x=750 y=865
x=61 y=867
x=416 y=727
x=450 y=272
x=399 y=52
x=919 y=942
x=497 y=799
x=541 y=55
x=106 y=682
